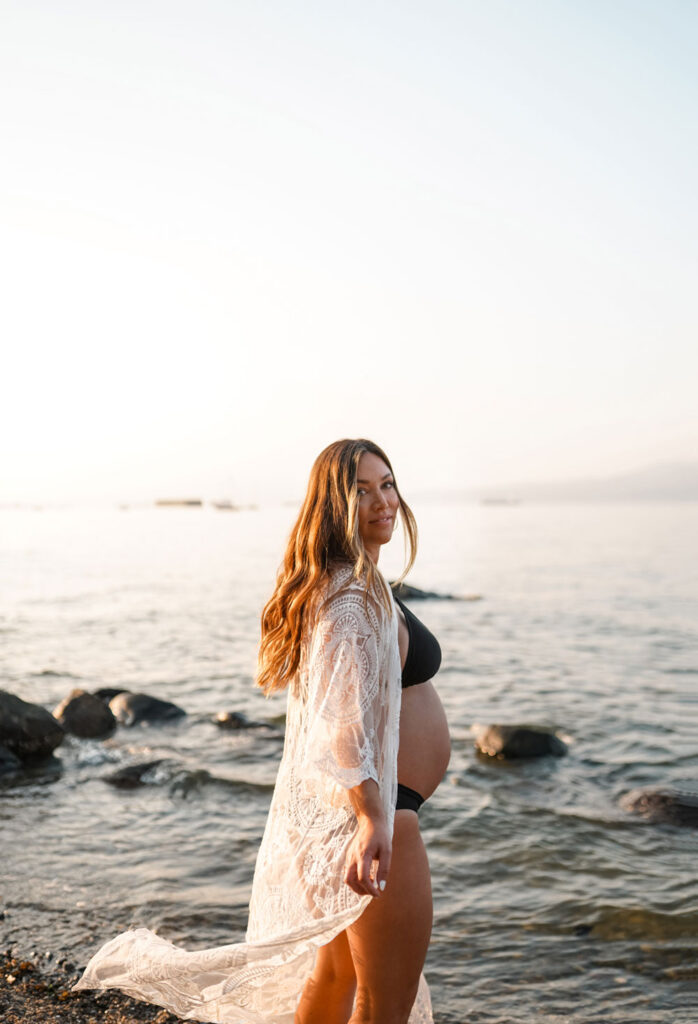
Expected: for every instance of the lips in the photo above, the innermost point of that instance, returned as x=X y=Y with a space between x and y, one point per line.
x=383 y=519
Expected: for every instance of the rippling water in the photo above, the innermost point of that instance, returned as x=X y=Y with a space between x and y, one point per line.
x=552 y=904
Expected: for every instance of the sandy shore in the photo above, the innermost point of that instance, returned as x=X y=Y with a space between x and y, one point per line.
x=33 y=991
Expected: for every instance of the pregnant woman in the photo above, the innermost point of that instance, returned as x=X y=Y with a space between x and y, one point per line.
x=379 y=958
x=341 y=908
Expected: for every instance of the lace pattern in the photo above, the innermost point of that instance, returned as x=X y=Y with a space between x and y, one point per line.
x=341 y=728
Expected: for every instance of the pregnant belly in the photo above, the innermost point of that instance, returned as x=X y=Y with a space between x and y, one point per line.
x=425 y=743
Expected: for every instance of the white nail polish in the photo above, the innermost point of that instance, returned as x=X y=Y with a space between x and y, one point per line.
x=381 y=886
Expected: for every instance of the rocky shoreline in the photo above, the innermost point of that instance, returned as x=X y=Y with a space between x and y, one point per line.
x=30 y=733
x=35 y=989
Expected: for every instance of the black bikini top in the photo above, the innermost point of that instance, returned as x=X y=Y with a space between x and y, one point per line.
x=423 y=651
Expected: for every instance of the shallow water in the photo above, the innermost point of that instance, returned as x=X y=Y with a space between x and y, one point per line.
x=551 y=902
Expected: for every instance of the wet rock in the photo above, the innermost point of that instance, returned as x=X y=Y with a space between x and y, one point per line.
x=663 y=805
x=237 y=720
x=517 y=741
x=83 y=714
x=408 y=593
x=9 y=762
x=132 y=708
x=105 y=693
x=133 y=775
x=27 y=730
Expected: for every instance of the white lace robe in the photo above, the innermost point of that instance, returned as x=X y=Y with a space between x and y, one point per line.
x=341 y=728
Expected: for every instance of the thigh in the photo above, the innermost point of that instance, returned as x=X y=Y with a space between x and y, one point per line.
x=334 y=960
x=389 y=941
x=328 y=994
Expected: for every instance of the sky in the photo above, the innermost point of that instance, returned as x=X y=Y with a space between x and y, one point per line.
x=232 y=232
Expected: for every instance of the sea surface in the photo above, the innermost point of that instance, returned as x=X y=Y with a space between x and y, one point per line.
x=552 y=903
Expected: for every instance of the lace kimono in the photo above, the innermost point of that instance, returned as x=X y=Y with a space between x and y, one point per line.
x=341 y=728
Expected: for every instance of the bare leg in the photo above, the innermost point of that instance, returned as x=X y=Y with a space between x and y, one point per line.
x=389 y=941
x=328 y=996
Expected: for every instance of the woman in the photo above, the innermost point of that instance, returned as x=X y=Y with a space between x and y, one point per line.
x=340 y=913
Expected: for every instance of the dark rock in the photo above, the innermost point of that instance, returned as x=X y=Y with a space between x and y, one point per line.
x=237 y=720
x=9 y=762
x=663 y=806
x=105 y=693
x=132 y=708
x=516 y=741
x=85 y=715
x=232 y=720
x=408 y=593
x=132 y=775
x=27 y=730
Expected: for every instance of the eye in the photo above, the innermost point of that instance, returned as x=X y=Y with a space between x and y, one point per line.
x=389 y=483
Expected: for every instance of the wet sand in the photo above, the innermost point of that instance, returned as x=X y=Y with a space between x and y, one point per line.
x=32 y=990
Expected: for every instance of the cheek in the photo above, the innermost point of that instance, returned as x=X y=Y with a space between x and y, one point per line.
x=363 y=518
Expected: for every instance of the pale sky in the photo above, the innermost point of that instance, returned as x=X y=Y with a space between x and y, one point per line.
x=232 y=232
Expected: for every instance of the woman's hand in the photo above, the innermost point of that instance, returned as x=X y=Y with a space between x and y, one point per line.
x=371 y=843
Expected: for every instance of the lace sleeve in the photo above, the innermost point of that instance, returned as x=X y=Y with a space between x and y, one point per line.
x=343 y=691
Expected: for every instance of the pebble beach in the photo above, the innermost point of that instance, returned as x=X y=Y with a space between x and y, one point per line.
x=35 y=992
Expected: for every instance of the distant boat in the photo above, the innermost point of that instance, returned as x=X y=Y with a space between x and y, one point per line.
x=179 y=501
x=500 y=501
x=226 y=506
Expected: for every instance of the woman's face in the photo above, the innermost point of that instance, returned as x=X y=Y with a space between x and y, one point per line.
x=378 y=502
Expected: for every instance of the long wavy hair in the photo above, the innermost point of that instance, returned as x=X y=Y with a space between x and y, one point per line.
x=326 y=534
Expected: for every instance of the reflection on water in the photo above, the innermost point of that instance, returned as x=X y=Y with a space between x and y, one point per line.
x=553 y=903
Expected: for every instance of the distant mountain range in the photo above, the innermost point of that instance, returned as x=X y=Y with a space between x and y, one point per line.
x=661 y=481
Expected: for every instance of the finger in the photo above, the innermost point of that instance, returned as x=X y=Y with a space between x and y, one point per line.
x=356 y=887
x=384 y=860
x=352 y=880
x=351 y=877
x=365 y=879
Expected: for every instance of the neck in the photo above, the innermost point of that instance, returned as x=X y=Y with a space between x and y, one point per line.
x=373 y=551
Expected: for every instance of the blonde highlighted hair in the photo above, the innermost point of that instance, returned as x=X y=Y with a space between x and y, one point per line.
x=326 y=534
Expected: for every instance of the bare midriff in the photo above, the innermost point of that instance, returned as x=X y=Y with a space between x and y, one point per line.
x=425 y=742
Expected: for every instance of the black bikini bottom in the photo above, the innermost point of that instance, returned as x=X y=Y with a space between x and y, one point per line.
x=408 y=799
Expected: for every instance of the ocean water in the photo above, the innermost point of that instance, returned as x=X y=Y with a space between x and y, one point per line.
x=552 y=903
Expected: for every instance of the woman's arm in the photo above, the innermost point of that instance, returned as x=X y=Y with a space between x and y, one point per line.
x=342 y=742
x=344 y=694
x=371 y=842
